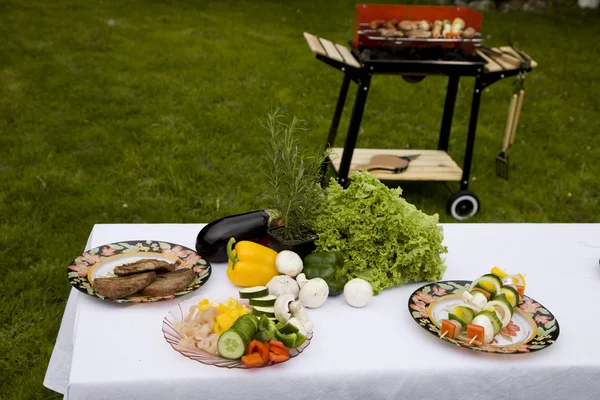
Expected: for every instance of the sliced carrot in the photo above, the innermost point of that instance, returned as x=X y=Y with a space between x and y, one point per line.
x=449 y=328
x=263 y=350
x=279 y=351
x=253 y=360
x=487 y=294
x=521 y=290
x=277 y=343
x=477 y=332
x=278 y=357
x=252 y=347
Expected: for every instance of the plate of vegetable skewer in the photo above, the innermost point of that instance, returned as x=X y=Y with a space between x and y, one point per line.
x=257 y=330
x=490 y=314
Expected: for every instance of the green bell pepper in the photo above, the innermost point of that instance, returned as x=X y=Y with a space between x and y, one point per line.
x=327 y=265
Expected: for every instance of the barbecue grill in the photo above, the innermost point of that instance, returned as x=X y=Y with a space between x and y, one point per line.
x=412 y=58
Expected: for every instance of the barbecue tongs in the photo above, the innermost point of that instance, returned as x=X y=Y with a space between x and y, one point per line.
x=514 y=111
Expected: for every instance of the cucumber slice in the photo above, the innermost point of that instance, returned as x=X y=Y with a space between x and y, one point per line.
x=246 y=328
x=268 y=311
x=489 y=282
x=300 y=339
x=288 y=340
x=503 y=309
x=453 y=317
x=264 y=301
x=252 y=292
x=464 y=313
x=231 y=344
x=288 y=328
x=502 y=299
x=493 y=317
x=512 y=295
x=248 y=317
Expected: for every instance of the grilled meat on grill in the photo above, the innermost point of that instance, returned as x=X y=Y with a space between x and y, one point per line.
x=377 y=23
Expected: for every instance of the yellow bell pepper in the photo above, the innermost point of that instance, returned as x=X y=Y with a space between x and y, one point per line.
x=205 y=305
x=228 y=313
x=250 y=264
x=222 y=323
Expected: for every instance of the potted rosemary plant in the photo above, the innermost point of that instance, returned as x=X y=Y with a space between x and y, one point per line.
x=295 y=191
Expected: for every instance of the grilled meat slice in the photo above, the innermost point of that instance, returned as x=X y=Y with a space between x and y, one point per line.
x=170 y=283
x=122 y=286
x=145 y=265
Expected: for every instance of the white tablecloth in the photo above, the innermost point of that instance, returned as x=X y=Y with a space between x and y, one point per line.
x=115 y=351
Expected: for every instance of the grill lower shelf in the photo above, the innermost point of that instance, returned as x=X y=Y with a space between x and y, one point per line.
x=432 y=165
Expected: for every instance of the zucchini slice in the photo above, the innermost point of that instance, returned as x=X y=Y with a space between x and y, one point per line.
x=264 y=301
x=512 y=295
x=267 y=311
x=253 y=292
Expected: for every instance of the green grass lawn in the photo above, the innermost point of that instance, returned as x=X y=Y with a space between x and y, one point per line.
x=155 y=118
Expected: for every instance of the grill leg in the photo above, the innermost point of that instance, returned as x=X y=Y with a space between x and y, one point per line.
x=464 y=184
x=335 y=123
x=339 y=108
x=353 y=128
x=448 y=112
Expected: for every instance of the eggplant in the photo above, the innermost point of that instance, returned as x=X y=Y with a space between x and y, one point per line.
x=211 y=242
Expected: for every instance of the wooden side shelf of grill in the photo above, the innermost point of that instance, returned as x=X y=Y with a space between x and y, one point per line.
x=432 y=165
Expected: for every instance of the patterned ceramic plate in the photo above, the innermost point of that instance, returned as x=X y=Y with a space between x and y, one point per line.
x=100 y=262
x=532 y=327
x=180 y=312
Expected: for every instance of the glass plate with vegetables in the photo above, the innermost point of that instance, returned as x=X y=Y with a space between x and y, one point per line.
x=257 y=330
x=490 y=314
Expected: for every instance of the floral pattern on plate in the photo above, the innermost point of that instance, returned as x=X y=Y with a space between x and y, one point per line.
x=533 y=327
x=100 y=261
x=180 y=312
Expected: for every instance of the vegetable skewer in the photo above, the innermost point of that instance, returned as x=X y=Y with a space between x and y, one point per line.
x=488 y=307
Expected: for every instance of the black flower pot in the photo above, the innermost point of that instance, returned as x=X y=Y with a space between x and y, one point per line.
x=302 y=248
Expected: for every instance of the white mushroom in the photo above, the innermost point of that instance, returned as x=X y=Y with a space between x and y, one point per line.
x=299 y=313
x=283 y=284
x=282 y=307
x=301 y=279
x=288 y=263
x=358 y=292
x=314 y=292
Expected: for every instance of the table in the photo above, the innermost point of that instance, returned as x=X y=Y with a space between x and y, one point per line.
x=106 y=350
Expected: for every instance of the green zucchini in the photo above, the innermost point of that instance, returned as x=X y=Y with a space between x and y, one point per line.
x=493 y=317
x=453 y=317
x=464 y=313
x=490 y=283
x=264 y=301
x=512 y=295
x=259 y=311
x=253 y=292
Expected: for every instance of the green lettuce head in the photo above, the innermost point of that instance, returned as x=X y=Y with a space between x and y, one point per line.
x=385 y=240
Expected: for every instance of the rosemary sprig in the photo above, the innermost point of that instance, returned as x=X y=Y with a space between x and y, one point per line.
x=293 y=175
